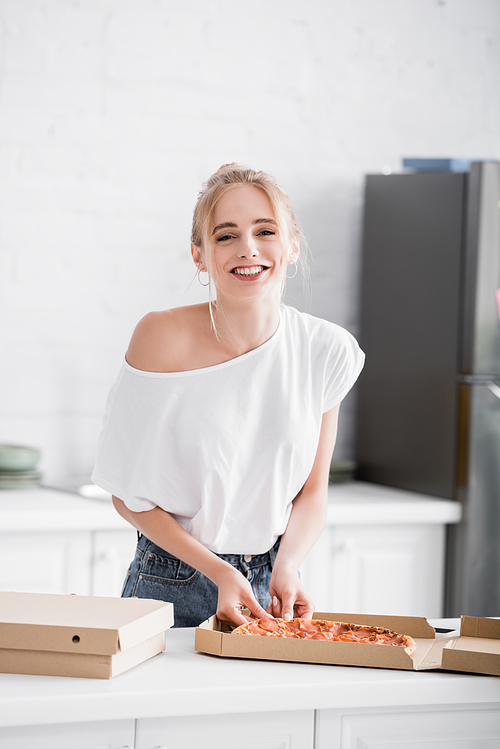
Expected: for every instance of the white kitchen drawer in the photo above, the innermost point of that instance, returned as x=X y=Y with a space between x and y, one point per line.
x=280 y=730
x=113 y=734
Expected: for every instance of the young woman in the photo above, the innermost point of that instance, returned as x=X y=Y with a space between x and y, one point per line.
x=219 y=432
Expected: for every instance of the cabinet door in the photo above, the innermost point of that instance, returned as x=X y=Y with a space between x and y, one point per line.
x=460 y=727
x=283 y=730
x=46 y=562
x=113 y=552
x=113 y=734
x=388 y=569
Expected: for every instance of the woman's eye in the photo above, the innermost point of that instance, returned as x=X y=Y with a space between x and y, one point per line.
x=267 y=232
x=224 y=237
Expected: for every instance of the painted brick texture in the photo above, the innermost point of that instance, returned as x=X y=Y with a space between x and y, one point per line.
x=113 y=112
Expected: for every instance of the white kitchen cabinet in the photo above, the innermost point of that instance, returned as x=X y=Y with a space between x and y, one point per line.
x=57 y=542
x=388 y=569
x=279 y=730
x=85 y=563
x=363 y=569
x=112 y=553
x=382 y=550
x=46 y=562
x=113 y=734
x=464 y=726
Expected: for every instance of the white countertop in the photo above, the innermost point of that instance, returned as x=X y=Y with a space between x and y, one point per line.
x=182 y=682
x=42 y=509
x=361 y=503
x=352 y=503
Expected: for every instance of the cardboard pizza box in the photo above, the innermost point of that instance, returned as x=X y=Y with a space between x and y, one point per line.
x=215 y=638
x=477 y=649
x=84 y=636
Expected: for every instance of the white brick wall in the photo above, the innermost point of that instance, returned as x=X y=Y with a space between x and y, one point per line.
x=114 y=111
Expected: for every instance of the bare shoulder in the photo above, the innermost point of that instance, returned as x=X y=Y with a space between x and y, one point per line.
x=161 y=339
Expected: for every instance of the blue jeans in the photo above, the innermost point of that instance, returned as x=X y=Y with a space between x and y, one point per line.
x=154 y=573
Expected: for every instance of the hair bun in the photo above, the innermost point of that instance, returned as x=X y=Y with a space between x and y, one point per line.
x=232 y=167
x=223 y=171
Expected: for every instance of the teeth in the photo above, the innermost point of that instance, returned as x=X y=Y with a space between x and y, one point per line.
x=249 y=271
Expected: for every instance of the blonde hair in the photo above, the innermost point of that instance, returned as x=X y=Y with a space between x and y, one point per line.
x=232 y=175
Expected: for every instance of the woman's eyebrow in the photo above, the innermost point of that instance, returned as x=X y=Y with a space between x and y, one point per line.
x=224 y=225
x=232 y=225
x=265 y=221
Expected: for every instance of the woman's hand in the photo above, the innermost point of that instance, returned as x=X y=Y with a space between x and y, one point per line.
x=289 y=598
x=235 y=593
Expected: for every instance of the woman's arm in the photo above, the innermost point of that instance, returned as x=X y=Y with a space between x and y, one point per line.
x=158 y=345
x=288 y=596
x=161 y=528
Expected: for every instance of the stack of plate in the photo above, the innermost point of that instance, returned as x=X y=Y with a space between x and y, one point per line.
x=17 y=467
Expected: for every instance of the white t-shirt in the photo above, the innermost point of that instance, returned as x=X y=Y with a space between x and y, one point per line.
x=226 y=448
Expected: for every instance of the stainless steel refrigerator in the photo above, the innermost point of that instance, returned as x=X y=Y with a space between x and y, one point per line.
x=428 y=411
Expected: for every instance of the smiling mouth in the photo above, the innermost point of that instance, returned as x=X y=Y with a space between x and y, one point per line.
x=253 y=271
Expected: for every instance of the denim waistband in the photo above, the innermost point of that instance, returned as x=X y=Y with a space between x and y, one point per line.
x=251 y=558
x=234 y=559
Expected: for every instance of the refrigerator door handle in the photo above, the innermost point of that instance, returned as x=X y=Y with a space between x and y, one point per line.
x=495 y=389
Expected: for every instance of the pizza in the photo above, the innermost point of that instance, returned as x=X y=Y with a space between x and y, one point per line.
x=323 y=629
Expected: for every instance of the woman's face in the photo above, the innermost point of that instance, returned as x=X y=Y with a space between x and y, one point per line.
x=248 y=254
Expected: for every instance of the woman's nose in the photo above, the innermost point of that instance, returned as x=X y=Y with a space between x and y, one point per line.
x=248 y=247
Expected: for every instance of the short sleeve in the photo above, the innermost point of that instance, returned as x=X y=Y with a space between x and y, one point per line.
x=344 y=365
x=123 y=451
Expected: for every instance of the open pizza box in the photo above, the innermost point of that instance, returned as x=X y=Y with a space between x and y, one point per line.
x=477 y=650
x=215 y=638
x=84 y=636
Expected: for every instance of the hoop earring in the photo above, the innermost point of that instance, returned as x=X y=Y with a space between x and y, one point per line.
x=296 y=269
x=199 y=280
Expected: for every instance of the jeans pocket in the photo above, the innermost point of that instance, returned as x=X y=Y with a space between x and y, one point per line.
x=166 y=568
x=165 y=578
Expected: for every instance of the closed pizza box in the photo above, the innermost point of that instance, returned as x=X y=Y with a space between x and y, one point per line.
x=216 y=638
x=84 y=636
x=477 y=649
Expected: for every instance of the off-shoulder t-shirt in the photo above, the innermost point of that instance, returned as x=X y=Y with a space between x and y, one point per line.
x=226 y=448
